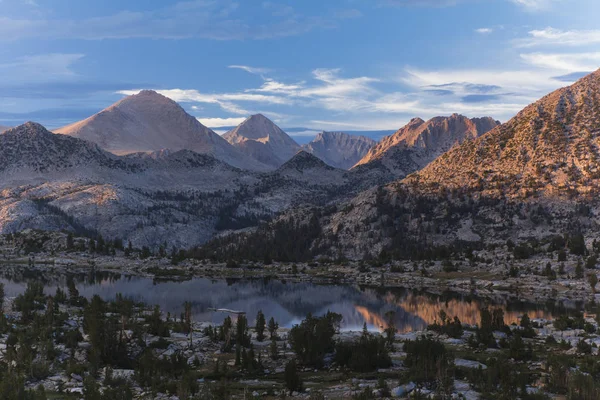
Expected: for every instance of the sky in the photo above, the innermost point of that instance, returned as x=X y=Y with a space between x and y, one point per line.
x=350 y=65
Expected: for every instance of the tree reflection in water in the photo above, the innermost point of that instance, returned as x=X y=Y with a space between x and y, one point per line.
x=287 y=302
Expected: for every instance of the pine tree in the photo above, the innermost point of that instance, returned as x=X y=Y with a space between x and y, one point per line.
x=579 y=271
x=242 y=336
x=273 y=350
x=273 y=326
x=260 y=326
x=292 y=380
x=1 y=298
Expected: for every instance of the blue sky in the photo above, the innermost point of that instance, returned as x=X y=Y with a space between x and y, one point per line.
x=334 y=65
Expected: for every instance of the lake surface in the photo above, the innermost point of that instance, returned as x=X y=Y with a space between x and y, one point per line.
x=287 y=302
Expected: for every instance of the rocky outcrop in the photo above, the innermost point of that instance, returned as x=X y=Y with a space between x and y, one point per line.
x=339 y=149
x=258 y=137
x=419 y=142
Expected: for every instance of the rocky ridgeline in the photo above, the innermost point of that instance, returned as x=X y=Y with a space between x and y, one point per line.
x=259 y=138
x=548 y=149
x=527 y=181
x=339 y=149
x=419 y=142
x=148 y=122
x=55 y=182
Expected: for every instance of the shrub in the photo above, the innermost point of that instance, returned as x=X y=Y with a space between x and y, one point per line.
x=367 y=354
x=427 y=359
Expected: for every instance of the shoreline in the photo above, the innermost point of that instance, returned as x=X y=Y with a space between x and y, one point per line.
x=476 y=282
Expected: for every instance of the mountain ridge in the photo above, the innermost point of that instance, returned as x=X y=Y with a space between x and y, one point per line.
x=260 y=138
x=419 y=142
x=549 y=147
x=52 y=181
x=339 y=149
x=528 y=181
x=149 y=121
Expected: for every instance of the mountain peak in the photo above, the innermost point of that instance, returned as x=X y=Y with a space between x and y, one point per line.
x=261 y=139
x=547 y=148
x=29 y=128
x=258 y=117
x=149 y=92
x=146 y=99
x=418 y=142
x=414 y=122
x=257 y=127
x=339 y=149
x=148 y=121
x=302 y=161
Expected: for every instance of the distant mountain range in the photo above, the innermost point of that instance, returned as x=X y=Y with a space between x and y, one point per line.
x=532 y=181
x=58 y=182
x=146 y=171
x=149 y=121
x=304 y=135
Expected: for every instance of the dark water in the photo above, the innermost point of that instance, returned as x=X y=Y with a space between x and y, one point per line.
x=288 y=302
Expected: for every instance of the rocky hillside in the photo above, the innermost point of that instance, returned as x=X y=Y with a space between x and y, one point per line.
x=148 y=122
x=530 y=185
x=419 y=142
x=56 y=182
x=550 y=148
x=532 y=178
x=339 y=149
x=31 y=149
x=259 y=138
x=4 y=128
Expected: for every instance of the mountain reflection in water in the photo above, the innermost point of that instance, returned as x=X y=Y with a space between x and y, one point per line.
x=288 y=303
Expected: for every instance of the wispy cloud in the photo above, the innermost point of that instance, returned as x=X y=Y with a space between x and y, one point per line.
x=558 y=37
x=227 y=101
x=529 y=5
x=536 y=5
x=251 y=70
x=484 y=31
x=416 y=92
x=420 y=3
x=220 y=20
x=568 y=62
x=40 y=68
x=220 y=122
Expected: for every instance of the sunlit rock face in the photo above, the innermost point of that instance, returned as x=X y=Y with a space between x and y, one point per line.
x=339 y=149
x=420 y=142
x=549 y=148
x=149 y=121
x=259 y=138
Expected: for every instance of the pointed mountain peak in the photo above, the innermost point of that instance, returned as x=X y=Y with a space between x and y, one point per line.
x=303 y=160
x=415 y=122
x=548 y=148
x=29 y=128
x=257 y=127
x=259 y=138
x=147 y=99
x=259 y=117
